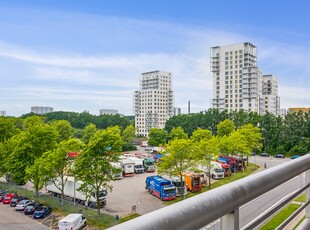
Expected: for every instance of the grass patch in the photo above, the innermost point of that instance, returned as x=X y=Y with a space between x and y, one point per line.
x=280 y=217
x=234 y=176
x=301 y=198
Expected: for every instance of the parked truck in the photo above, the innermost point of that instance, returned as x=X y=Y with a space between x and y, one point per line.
x=149 y=164
x=160 y=187
x=138 y=164
x=176 y=181
x=71 y=192
x=127 y=167
x=192 y=181
x=117 y=173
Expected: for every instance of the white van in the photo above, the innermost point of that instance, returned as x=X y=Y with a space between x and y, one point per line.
x=73 y=221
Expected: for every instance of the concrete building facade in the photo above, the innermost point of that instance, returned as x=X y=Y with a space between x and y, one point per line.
x=2 y=113
x=41 y=109
x=108 y=111
x=238 y=83
x=154 y=102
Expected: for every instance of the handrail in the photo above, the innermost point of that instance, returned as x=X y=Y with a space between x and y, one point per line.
x=201 y=210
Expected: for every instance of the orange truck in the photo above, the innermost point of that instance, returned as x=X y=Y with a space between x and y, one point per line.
x=193 y=181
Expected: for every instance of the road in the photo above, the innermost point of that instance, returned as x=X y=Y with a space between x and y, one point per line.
x=12 y=220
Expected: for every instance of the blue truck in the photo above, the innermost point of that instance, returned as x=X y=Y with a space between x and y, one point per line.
x=160 y=187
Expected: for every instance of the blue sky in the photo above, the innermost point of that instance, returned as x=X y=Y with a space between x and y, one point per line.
x=79 y=55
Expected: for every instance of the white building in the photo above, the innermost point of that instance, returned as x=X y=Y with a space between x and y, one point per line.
x=108 y=111
x=2 y=113
x=154 y=102
x=41 y=109
x=238 y=84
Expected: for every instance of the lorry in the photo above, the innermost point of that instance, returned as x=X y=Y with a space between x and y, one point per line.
x=144 y=144
x=127 y=167
x=193 y=181
x=216 y=170
x=117 y=173
x=149 y=164
x=176 y=181
x=71 y=192
x=138 y=164
x=160 y=187
x=73 y=221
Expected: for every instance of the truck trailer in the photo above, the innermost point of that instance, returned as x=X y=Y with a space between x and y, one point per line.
x=160 y=187
x=138 y=164
x=193 y=182
x=71 y=192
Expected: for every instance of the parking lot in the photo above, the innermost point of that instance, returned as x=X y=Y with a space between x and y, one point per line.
x=12 y=220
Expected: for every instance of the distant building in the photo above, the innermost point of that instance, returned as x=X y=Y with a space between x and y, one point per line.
x=296 y=110
x=2 y=113
x=238 y=83
x=41 y=109
x=283 y=112
x=108 y=111
x=176 y=111
x=154 y=102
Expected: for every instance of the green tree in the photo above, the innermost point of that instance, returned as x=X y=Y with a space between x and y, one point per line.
x=55 y=165
x=27 y=146
x=129 y=134
x=93 y=166
x=178 y=158
x=64 y=129
x=89 y=132
x=157 y=137
x=225 y=127
x=200 y=134
x=7 y=128
x=208 y=151
x=177 y=133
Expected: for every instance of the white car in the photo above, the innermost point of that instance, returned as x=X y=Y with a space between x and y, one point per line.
x=22 y=204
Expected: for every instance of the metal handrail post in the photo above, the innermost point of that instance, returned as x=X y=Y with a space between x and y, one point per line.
x=230 y=221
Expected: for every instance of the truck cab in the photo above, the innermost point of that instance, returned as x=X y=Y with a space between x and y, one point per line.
x=138 y=164
x=149 y=165
x=160 y=187
x=176 y=181
x=193 y=181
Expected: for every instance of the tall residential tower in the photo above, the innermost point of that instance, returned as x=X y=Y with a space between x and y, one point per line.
x=154 y=102
x=238 y=83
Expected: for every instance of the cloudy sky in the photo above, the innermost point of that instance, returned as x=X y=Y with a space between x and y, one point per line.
x=78 y=55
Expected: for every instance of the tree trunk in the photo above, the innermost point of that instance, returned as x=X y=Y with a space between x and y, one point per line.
x=98 y=203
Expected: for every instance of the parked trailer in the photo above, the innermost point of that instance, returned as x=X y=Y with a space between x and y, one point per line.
x=138 y=164
x=176 y=181
x=160 y=187
x=71 y=192
x=117 y=173
x=193 y=182
x=127 y=167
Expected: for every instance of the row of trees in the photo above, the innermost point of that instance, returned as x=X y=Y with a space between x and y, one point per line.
x=185 y=154
x=288 y=135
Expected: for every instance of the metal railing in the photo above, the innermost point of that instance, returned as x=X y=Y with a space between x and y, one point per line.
x=223 y=202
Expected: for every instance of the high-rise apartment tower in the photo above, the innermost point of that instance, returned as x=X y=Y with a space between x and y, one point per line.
x=154 y=102
x=238 y=83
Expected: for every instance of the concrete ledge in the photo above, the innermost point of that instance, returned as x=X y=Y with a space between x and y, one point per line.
x=305 y=225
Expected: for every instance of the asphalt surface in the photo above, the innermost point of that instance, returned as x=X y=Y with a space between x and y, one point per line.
x=13 y=220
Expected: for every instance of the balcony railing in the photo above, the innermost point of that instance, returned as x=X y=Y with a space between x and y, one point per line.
x=224 y=202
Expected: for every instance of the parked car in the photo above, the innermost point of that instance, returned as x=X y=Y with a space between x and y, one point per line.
x=15 y=200
x=8 y=197
x=30 y=208
x=42 y=212
x=22 y=204
x=295 y=156
x=279 y=156
x=264 y=155
x=3 y=194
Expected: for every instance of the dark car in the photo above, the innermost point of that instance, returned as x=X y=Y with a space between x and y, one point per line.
x=17 y=199
x=279 y=156
x=42 y=212
x=3 y=194
x=30 y=208
x=264 y=155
